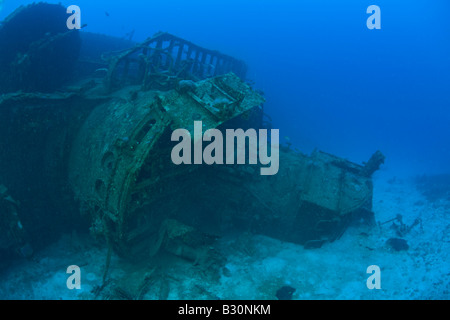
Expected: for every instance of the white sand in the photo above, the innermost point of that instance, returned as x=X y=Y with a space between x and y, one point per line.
x=257 y=266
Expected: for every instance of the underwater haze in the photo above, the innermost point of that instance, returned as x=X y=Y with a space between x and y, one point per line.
x=330 y=82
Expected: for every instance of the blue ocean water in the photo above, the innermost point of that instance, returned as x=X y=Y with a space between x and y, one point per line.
x=330 y=82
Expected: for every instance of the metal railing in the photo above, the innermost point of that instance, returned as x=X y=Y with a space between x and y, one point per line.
x=164 y=58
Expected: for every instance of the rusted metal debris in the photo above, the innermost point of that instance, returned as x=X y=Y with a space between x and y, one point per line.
x=40 y=57
x=13 y=237
x=99 y=150
x=163 y=59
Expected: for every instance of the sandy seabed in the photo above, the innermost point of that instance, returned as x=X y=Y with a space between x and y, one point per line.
x=257 y=266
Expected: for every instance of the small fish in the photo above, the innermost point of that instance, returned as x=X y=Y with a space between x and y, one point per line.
x=107 y=13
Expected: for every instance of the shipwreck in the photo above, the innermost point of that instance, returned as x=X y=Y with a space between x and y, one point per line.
x=86 y=123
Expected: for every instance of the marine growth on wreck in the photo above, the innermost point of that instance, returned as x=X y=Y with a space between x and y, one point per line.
x=87 y=124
